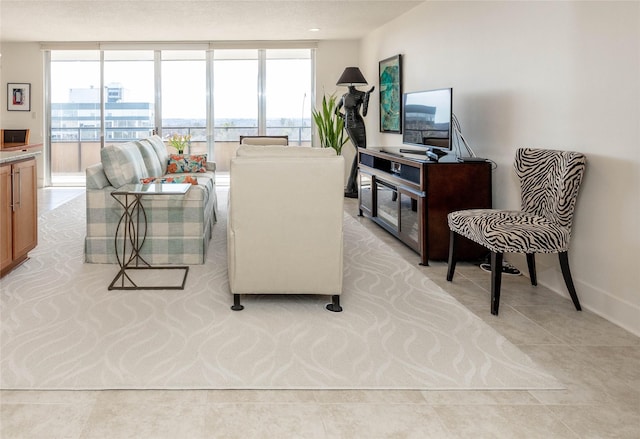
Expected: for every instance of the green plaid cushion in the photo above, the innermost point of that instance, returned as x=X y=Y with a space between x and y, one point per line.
x=150 y=157
x=123 y=163
x=161 y=150
x=95 y=177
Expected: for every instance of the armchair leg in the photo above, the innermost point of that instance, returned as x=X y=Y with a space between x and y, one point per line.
x=452 y=256
x=496 y=281
x=236 y=303
x=566 y=273
x=334 y=306
x=531 y=263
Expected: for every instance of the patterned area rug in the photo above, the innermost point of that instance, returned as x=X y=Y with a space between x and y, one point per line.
x=62 y=329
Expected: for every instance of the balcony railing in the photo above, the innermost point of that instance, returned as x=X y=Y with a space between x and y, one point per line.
x=73 y=149
x=298 y=135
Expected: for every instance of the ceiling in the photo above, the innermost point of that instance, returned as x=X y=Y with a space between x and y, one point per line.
x=193 y=20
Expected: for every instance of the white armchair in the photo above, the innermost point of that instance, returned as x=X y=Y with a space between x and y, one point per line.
x=285 y=221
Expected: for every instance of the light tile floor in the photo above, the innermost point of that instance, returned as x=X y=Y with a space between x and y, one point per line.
x=50 y=198
x=598 y=361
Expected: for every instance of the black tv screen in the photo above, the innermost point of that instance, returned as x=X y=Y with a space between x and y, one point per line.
x=426 y=118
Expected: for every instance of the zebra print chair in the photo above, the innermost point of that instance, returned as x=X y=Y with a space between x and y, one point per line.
x=549 y=183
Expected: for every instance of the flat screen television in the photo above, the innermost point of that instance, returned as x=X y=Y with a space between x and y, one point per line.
x=426 y=119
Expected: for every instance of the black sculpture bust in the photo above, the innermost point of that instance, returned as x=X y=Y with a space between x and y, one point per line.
x=353 y=102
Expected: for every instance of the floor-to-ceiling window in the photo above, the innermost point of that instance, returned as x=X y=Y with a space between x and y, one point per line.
x=184 y=97
x=129 y=95
x=235 y=100
x=261 y=92
x=99 y=97
x=288 y=94
x=75 y=117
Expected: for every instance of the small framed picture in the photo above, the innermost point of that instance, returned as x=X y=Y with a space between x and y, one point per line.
x=390 y=71
x=18 y=96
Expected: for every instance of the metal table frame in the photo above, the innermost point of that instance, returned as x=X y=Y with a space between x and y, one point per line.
x=133 y=229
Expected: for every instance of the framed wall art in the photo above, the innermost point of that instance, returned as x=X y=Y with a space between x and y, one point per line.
x=390 y=71
x=18 y=96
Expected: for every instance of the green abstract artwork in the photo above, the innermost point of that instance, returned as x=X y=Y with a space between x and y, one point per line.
x=390 y=94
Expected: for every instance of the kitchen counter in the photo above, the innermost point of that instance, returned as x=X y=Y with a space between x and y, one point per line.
x=25 y=152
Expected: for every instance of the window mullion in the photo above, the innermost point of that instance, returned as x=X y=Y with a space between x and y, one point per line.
x=262 y=98
x=103 y=127
x=312 y=98
x=210 y=108
x=157 y=90
x=47 y=118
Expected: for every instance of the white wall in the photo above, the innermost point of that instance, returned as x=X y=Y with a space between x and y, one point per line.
x=22 y=63
x=560 y=75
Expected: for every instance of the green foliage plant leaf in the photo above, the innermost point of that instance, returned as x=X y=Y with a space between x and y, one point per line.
x=330 y=125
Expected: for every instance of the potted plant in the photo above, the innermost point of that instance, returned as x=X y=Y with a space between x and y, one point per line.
x=330 y=125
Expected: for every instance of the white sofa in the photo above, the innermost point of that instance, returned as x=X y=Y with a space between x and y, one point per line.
x=285 y=222
x=179 y=227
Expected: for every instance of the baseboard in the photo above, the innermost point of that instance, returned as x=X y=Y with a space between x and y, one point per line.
x=600 y=302
x=613 y=309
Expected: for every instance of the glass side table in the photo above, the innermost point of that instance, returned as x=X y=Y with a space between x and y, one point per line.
x=132 y=228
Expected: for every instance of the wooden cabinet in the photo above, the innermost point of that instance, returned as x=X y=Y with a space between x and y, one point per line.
x=411 y=198
x=6 y=220
x=19 y=212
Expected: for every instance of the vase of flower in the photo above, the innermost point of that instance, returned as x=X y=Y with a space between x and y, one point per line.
x=180 y=142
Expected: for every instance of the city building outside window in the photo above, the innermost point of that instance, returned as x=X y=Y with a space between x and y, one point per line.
x=99 y=97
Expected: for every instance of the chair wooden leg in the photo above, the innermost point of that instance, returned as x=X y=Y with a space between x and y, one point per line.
x=566 y=273
x=531 y=263
x=496 y=280
x=452 y=256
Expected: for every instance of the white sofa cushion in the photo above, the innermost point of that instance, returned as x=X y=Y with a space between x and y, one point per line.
x=283 y=151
